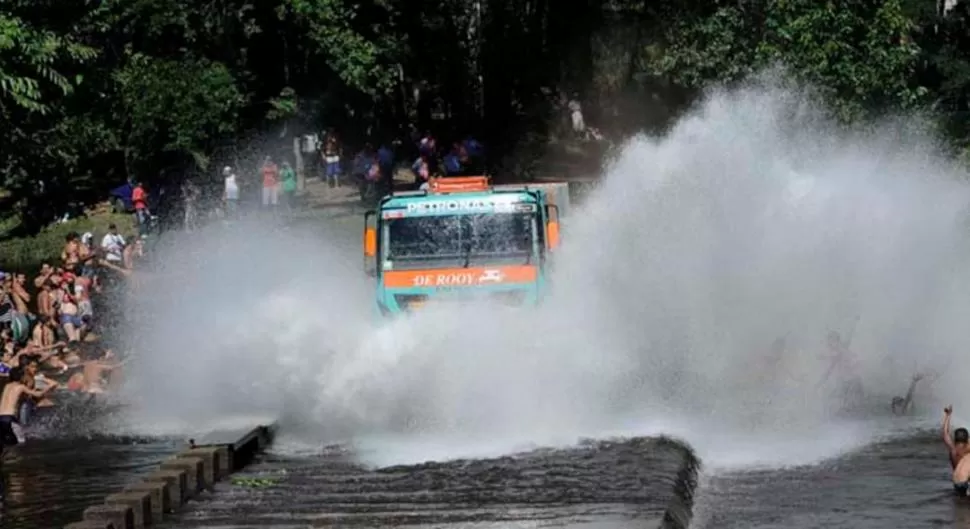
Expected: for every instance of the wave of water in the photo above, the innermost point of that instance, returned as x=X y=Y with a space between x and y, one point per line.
x=753 y=219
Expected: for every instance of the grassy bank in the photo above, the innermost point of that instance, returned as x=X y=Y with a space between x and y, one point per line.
x=27 y=253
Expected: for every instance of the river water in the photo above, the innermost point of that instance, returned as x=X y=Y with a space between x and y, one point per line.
x=902 y=483
x=898 y=483
x=51 y=481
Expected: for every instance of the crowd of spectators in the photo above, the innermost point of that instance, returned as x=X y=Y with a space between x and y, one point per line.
x=50 y=324
x=371 y=168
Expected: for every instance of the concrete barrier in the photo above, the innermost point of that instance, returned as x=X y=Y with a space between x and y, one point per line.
x=194 y=473
x=161 y=496
x=121 y=516
x=177 y=481
x=218 y=465
x=140 y=503
x=180 y=478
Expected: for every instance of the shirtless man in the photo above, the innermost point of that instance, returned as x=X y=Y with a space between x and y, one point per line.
x=71 y=254
x=957 y=447
x=43 y=333
x=47 y=355
x=91 y=378
x=46 y=271
x=11 y=434
x=45 y=299
x=20 y=296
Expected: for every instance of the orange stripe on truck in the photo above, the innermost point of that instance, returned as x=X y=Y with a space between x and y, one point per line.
x=460 y=277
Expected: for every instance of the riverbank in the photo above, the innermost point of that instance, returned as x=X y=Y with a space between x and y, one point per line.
x=27 y=253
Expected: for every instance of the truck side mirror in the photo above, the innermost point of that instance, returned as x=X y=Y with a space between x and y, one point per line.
x=370 y=244
x=552 y=227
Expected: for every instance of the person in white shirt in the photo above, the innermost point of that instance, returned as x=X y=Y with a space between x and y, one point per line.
x=113 y=245
x=231 y=192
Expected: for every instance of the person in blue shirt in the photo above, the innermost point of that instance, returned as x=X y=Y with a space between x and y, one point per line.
x=473 y=155
x=362 y=161
x=452 y=161
x=385 y=160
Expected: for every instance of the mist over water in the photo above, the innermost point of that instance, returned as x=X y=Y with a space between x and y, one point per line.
x=753 y=219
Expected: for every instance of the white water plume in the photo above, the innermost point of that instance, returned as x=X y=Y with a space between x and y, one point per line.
x=753 y=219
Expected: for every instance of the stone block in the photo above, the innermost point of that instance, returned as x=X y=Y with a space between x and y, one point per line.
x=194 y=468
x=161 y=495
x=140 y=503
x=218 y=465
x=121 y=516
x=177 y=480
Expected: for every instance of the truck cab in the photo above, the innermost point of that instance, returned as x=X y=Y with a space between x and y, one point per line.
x=462 y=239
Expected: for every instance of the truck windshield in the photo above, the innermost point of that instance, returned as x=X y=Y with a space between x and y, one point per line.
x=460 y=240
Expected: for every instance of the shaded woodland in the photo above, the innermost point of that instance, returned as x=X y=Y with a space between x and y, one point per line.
x=93 y=92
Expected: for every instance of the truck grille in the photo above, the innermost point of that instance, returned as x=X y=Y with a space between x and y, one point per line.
x=512 y=298
x=410 y=301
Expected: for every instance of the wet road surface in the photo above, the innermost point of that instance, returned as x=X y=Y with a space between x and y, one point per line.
x=604 y=484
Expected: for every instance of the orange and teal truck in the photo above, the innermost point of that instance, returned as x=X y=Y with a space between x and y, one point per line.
x=463 y=238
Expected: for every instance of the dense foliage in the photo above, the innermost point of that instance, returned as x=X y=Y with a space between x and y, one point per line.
x=95 y=91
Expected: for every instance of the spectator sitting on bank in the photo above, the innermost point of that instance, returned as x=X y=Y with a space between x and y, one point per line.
x=88 y=269
x=19 y=294
x=68 y=311
x=71 y=254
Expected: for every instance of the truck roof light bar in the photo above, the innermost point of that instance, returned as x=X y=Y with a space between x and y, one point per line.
x=458 y=184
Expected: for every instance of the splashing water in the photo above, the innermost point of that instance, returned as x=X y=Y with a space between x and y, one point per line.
x=752 y=219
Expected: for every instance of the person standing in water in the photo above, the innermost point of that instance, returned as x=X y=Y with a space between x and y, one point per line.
x=957 y=447
x=903 y=405
x=11 y=433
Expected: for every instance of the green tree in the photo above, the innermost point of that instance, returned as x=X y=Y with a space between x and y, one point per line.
x=859 y=54
x=30 y=64
x=176 y=108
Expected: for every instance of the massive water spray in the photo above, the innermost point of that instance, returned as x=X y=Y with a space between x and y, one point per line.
x=753 y=220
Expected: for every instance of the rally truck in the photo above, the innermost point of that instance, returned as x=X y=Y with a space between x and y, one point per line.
x=462 y=238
